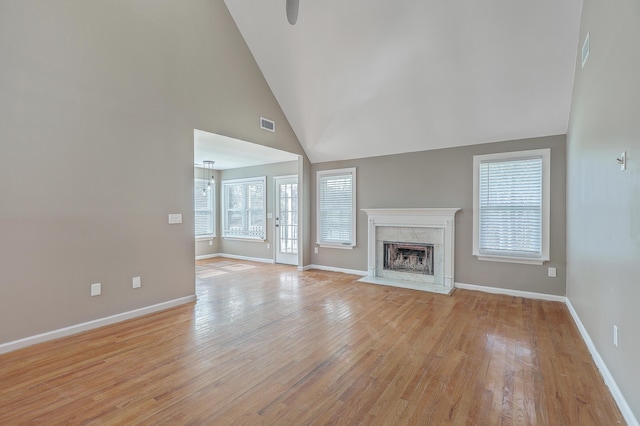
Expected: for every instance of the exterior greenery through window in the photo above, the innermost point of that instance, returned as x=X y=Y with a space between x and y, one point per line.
x=244 y=213
x=336 y=200
x=204 y=207
x=511 y=206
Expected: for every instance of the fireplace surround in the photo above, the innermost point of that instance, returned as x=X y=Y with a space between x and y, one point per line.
x=415 y=230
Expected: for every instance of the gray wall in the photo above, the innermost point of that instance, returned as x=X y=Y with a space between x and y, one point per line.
x=99 y=102
x=444 y=178
x=254 y=248
x=603 y=205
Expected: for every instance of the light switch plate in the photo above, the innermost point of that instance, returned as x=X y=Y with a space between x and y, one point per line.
x=96 y=289
x=175 y=218
x=135 y=282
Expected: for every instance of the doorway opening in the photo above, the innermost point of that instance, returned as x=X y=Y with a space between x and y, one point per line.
x=281 y=171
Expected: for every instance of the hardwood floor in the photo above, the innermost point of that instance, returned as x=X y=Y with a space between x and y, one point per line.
x=266 y=344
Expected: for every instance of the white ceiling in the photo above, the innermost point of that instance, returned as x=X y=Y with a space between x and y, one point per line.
x=230 y=153
x=366 y=78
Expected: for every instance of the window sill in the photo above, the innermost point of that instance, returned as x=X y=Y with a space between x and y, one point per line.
x=335 y=246
x=205 y=238
x=521 y=260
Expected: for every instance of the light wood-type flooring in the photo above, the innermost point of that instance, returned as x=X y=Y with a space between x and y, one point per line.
x=269 y=345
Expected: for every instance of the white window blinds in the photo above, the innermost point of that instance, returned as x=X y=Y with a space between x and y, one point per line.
x=244 y=208
x=204 y=208
x=336 y=207
x=510 y=207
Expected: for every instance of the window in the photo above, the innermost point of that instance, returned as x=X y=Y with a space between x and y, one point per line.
x=511 y=206
x=336 y=197
x=244 y=214
x=204 y=207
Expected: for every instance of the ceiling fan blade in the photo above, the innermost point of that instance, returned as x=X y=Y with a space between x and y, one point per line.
x=292 y=11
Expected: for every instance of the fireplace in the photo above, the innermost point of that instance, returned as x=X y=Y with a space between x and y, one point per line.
x=411 y=248
x=412 y=258
x=409 y=252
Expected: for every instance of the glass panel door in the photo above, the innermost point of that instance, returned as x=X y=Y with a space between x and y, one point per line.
x=286 y=220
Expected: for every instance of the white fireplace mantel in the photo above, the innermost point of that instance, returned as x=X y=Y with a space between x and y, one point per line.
x=443 y=218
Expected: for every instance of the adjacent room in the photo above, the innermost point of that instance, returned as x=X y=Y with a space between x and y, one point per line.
x=299 y=212
x=246 y=201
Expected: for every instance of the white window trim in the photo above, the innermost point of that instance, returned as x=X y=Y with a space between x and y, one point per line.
x=212 y=235
x=546 y=210
x=223 y=208
x=324 y=244
x=247 y=239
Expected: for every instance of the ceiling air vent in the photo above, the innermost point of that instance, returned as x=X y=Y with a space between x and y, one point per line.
x=267 y=124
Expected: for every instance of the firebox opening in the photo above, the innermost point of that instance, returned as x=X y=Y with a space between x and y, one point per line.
x=413 y=258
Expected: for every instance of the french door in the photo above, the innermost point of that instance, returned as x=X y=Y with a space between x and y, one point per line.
x=286 y=220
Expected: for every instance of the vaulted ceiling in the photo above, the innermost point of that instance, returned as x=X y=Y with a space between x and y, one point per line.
x=361 y=78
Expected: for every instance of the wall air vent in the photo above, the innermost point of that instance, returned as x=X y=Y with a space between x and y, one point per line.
x=585 y=50
x=267 y=124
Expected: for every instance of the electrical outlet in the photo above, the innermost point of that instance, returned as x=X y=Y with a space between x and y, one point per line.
x=268 y=246
x=551 y=271
x=96 y=289
x=210 y=242
x=615 y=335
x=135 y=282
x=315 y=250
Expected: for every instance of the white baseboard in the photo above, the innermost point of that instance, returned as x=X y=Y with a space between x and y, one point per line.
x=509 y=292
x=252 y=259
x=604 y=371
x=207 y=256
x=334 y=269
x=101 y=322
x=235 y=256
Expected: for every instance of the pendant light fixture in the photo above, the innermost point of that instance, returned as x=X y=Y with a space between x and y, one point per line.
x=207 y=176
